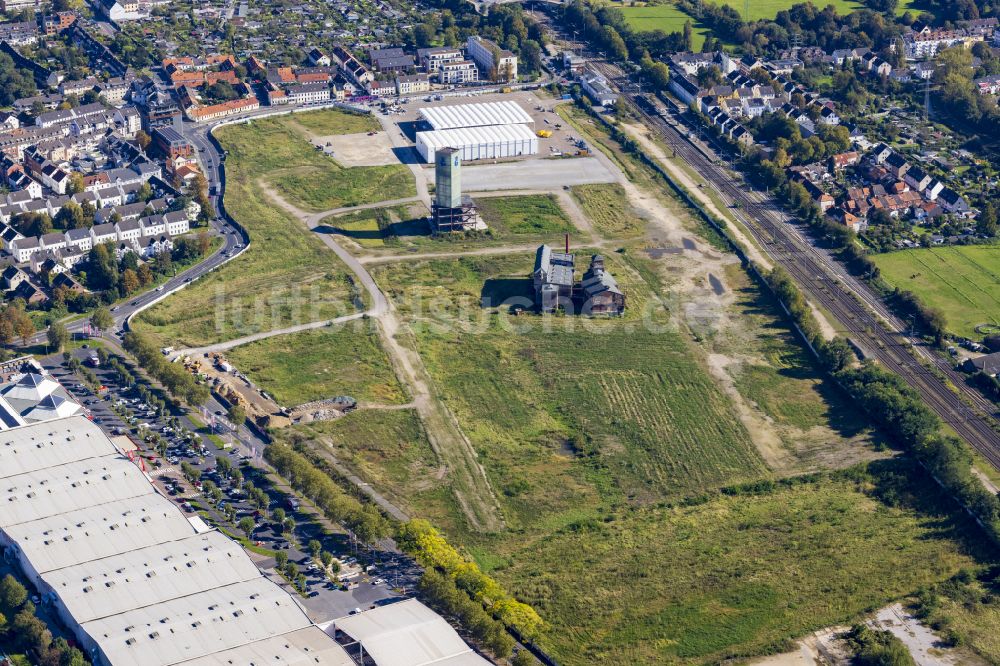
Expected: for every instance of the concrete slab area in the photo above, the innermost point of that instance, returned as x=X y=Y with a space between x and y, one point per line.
x=353 y=150
x=531 y=174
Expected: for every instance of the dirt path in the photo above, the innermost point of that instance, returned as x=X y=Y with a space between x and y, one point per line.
x=641 y=135
x=765 y=436
x=318 y=217
x=468 y=478
x=236 y=342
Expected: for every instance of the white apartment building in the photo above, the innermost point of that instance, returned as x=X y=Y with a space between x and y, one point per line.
x=458 y=72
x=309 y=93
x=496 y=63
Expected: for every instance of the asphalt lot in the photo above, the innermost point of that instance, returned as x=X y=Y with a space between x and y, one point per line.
x=325 y=600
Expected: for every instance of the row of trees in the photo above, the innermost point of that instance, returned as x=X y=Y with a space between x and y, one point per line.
x=15 y=324
x=180 y=383
x=364 y=521
x=897 y=409
x=444 y=596
x=430 y=548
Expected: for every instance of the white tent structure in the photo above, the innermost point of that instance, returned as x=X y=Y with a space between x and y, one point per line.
x=480 y=114
x=479 y=143
x=405 y=633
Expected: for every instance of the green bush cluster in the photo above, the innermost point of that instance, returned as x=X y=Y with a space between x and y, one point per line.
x=874 y=647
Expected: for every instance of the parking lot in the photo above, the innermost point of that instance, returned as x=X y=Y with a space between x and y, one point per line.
x=195 y=446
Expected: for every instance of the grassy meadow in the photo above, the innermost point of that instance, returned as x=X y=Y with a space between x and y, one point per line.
x=961 y=281
x=519 y=219
x=520 y=215
x=321 y=363
x=616 y=460
x=286 y=275
x=607 y=207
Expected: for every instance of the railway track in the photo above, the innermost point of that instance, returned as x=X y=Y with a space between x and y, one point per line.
x=828 y=284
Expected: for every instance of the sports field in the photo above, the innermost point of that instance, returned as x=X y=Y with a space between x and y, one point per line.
x=665 y=17
x=962 y=281
x=669 y=18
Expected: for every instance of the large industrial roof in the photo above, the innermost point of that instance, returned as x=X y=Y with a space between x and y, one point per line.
x=137 y=576
x=481 y=114
x=198 y=625
x=298 y=648
x=151 y=575
x=48 y=444
x=408 y=633
x=58 y=490
x=474 y=136
x=99 y=531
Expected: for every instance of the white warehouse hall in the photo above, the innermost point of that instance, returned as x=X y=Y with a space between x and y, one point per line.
x=479 y=143
x=478 y=114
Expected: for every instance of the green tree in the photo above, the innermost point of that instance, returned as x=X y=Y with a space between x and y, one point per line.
x=247 y=525
x=101 y=319
x=12 y=595
x=278 y=516
x=143 y=139
x=58 y=336
x=14 y=82
x=523 y=658
x=237 y=415
x=280 y=560
x=986 y=224
x=315 y=548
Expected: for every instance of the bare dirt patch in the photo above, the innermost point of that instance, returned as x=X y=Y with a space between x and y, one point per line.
x=354 y=150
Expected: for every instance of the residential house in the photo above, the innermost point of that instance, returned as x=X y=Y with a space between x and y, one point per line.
x=431 y=59
x=381 y=88
x=407 y=84
x=318 y=58
x=392 y=60
x=917 y=178
x=988 y=363
x=952 y=202
x=12 y=277
x=897 y=165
